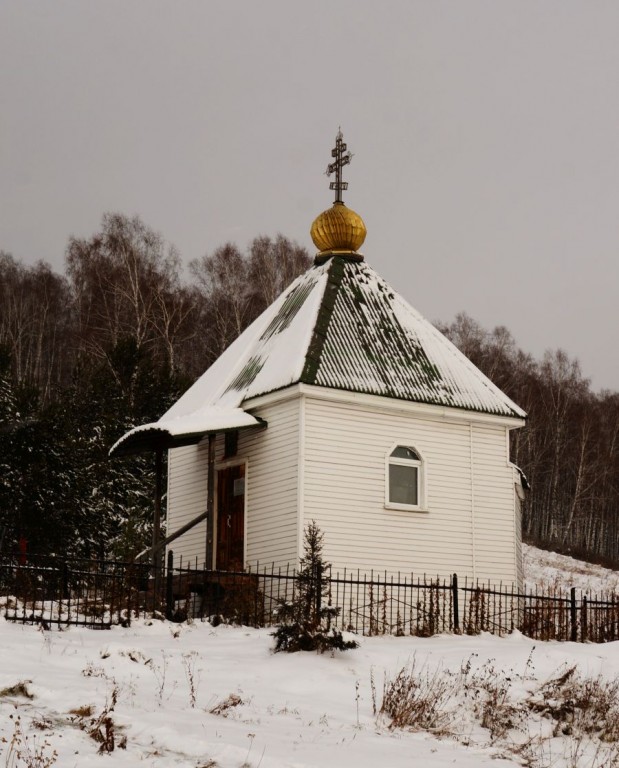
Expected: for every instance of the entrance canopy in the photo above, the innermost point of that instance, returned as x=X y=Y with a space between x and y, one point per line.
x=184 y=430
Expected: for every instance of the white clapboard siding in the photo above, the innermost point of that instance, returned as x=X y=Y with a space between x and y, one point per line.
x=518 y=531
x=328 y=459
x=469 y=493
x=187 y=474
x=272 y=486
x=271 y=456
x=495 y=553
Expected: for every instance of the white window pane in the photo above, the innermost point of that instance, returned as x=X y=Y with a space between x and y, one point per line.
x=403 y=485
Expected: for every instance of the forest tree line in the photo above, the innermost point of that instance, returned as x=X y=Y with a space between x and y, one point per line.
x=115 y=340
x=569 y=448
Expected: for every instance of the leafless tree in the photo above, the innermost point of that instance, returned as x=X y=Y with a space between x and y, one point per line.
x=35 y=323
x=234 y=288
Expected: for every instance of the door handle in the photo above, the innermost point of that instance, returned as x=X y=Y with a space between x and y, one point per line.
x=229 y=521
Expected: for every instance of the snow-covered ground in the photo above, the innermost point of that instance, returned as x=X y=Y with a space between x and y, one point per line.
x=194 y=696
x=543 y=569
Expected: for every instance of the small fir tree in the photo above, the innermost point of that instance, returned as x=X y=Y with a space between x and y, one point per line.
x=305 y=623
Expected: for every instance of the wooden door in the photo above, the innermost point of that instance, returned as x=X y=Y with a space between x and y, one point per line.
x=230 y=518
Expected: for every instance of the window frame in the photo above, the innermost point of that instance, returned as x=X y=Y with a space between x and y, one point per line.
x=421 y=477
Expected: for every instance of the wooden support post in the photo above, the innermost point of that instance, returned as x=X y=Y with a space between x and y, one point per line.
x=157 y=553
x=210 y=503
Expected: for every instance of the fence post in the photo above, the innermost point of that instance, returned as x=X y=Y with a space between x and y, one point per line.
x=169 y=592
x=65 y=581
x=66 y=593
x=583 y=621
x=454 y=593
x=573 y=616
x=318 y=591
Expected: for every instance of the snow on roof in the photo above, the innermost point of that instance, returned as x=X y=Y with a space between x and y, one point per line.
x=342 y=326
x=210 y=419
x=378 y=344
x=268 y=355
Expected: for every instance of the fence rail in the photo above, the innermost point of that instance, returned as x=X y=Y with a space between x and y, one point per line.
x=54 y=591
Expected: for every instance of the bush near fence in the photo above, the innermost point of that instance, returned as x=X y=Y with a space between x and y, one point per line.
x=55 y=591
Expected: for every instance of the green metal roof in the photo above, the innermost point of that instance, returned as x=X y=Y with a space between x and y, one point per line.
x=341 y=326
x=368 y=339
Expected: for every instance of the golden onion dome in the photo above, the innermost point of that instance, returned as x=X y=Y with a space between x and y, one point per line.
x=338 y=230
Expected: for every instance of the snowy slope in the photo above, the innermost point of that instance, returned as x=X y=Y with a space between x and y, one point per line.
x=167 y=689
x=543 y=568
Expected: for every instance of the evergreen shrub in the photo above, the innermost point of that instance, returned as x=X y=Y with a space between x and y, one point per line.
x=305 y=623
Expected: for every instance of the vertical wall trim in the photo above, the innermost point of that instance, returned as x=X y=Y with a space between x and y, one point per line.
x=167 y=495
x=158 y=555
x=472 y=458
x=517 y=512
x=245 y=509
x=301 y=478
x=516 y=502
x=210 y=504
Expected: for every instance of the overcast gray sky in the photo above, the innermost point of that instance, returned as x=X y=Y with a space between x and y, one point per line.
x=485 y=134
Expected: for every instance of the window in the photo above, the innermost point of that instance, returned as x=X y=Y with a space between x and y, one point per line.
x=404 y=480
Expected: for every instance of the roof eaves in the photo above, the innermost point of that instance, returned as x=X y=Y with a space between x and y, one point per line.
x=507 y=412
x=151 y=437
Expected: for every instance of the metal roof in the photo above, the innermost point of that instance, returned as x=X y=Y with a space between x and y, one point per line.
x=362 y=337
x=368 y=339
x=339 y=325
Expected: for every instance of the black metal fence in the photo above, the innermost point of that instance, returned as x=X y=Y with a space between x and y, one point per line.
x=49 y=590
x=54 y=591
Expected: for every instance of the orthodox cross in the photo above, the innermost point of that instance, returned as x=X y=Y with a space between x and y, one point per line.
x=342 y=158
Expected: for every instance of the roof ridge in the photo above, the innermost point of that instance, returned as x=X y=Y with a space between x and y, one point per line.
x=372 y=340
x=313 y=355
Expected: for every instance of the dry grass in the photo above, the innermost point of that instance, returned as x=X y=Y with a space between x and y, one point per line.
x=570 y=712
x=85 y=711
x=19 y=689
x=579 y=705
x=418 y=698
x=225 y=705
x=101 y=728
x=24 y=751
